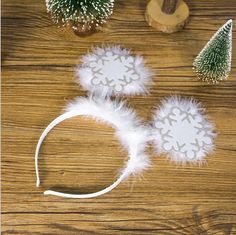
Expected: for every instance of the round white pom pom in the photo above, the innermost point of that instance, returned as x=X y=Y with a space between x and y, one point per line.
x=113 y=71
x=181 y=131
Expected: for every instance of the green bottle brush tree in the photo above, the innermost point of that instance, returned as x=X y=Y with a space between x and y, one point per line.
x=81 y=15
x=213 y=63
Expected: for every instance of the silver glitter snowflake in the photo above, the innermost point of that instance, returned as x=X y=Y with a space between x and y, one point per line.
x=113 y=70
x=183 y=132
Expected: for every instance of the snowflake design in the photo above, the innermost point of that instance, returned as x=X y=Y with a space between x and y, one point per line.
x=113 y=71
x=183 y=134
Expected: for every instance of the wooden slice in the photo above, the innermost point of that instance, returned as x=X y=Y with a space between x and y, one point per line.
x=168 y=23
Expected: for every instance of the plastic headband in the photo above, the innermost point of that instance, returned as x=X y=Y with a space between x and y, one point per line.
x=129 y=130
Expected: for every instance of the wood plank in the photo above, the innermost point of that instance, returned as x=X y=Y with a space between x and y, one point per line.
x=38 y=61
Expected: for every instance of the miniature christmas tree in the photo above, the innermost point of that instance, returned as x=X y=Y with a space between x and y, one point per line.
x=82 y=15
x=213 y=63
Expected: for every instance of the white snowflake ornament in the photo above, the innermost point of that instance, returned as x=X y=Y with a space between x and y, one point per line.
x=182 y=131
x=113 y=71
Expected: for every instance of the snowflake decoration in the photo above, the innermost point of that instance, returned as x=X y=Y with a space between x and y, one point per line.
x=181 y=131
x=113 y=71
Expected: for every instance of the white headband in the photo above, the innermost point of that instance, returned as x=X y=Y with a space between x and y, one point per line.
x=129 y=130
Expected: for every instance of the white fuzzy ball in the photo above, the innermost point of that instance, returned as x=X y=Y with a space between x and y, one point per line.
x=113 y=71
x=181 y=131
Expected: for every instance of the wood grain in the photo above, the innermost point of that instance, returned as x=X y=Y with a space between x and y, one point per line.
x=38 y=61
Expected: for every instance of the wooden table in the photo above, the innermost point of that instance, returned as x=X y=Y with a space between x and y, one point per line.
x=81 y=156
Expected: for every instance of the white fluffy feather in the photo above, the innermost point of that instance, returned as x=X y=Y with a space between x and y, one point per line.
x=132 y=134
x=86 y=73
x=181 y=130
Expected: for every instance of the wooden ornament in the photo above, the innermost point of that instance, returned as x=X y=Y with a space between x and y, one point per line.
x=168 y=16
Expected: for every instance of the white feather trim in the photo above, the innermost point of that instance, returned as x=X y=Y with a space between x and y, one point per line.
x=132 y=134
x=182 y=131
x=113 y=71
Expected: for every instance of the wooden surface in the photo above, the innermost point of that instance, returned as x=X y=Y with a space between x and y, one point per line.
x=38 y=62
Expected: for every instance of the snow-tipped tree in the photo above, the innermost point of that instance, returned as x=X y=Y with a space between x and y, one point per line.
x=213 y=63
x=81 y=14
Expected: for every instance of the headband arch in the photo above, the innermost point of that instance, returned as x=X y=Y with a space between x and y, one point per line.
x=129 y=130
